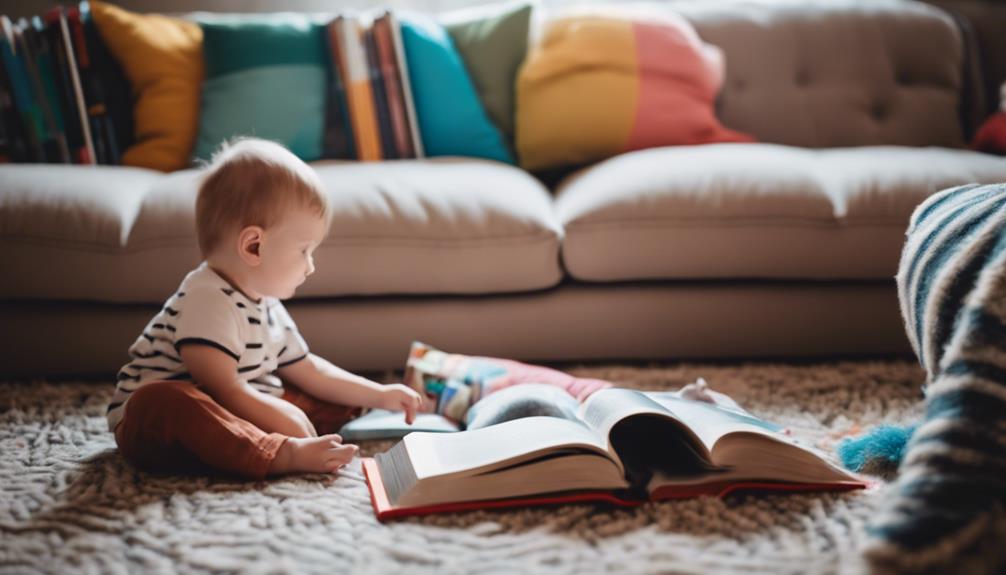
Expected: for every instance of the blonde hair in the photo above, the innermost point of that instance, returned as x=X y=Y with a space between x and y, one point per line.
x=253 y=182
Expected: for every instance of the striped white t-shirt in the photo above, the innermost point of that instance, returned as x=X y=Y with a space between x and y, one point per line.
x=208 y=310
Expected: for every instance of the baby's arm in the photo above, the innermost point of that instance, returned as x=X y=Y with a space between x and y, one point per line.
x=216 y=372
x=320 y=378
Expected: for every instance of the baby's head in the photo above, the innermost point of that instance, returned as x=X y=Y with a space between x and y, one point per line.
x=260 y=214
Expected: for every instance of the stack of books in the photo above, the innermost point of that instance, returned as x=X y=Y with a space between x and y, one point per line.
x=63 y=99
x=371 y=115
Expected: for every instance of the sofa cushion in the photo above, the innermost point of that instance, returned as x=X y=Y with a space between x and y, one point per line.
x=837 y=73
x=443 y=225
x=753 y=210
x=410 y=227
x=63 y=228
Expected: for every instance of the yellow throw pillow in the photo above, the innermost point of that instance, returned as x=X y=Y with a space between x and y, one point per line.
x=163 y=59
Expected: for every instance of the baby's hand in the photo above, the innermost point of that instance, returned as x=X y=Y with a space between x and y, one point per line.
x=398 y=397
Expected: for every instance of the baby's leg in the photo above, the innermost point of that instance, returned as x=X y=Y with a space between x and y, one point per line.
x=326 y=417
x=173 y=426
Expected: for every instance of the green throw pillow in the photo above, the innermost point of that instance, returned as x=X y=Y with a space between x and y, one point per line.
x=265 y=77
x=493 y=42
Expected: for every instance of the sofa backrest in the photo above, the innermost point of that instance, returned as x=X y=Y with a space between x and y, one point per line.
x=836 y=73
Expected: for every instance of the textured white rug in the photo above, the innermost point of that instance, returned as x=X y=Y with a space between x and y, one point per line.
x=68 y=502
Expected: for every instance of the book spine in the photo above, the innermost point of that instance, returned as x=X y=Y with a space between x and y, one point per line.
x=94 y=105
x=87 y=155
x=338 y=130
x=62 y=86
x=112 y=91
x=376 y=74
x=403 y=68
x=344 y=30
x=35 y=95
x=6 y=138
x=16 y=138
x=393 y=87
x=45 y=60
x=360 y=96
x=40 y=67
x=21 y=91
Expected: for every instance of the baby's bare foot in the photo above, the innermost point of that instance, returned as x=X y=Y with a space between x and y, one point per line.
x=323 y=454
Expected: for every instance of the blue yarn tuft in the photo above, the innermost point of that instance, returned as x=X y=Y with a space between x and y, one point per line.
x=882 y=446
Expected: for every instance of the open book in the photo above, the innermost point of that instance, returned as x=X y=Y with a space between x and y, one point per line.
x=622 y=446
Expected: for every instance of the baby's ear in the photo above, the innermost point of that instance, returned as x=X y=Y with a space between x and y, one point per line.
x=250 y=245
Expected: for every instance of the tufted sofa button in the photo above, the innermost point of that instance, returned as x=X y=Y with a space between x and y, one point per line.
x=802 y=77
x=879 y=110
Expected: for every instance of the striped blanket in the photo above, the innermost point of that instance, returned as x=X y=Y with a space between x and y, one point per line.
x=947 y=512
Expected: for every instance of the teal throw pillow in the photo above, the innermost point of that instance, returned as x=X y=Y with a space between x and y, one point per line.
x=452 y=119
x=265 y=77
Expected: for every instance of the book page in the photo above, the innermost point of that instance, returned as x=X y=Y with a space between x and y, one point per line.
x=748 y=447
x=710 y=422
x=760 y=458
x=605 y=409
x=503 y=445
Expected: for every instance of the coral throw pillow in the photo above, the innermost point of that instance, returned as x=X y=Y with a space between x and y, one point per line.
x=597 y=85
x=162 y=57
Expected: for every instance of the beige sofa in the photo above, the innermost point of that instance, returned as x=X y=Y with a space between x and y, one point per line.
x=783 y=248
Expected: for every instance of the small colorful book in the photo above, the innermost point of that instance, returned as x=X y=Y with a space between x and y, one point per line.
x=356 y=79
x=393 y=86
x=338 y=122
x=621 y=446
x=383 y=424
x=110 y=102
x=406 y=84
x=69 y=91
x=21 y=137
x=382 y=111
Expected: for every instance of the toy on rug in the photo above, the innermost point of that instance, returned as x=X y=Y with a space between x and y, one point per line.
x=877 y=452
x=991 y=136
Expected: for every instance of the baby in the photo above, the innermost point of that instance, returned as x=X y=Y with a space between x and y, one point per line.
x=220 y=378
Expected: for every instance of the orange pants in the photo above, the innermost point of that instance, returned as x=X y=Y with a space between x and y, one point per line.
x=173 y=426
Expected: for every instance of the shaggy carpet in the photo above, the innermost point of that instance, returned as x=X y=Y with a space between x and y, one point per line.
x=69 y=502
